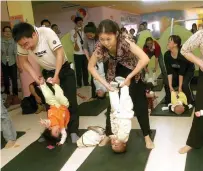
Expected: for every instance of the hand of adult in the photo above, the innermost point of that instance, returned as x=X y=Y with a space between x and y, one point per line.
x=126 y=82
x=55 y=80
x=180 y=89
x=109 y=87
x=171 y=89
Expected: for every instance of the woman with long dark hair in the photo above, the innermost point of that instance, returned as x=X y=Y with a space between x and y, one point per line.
x=195 y=138
x=180 y=71
x=125 y=59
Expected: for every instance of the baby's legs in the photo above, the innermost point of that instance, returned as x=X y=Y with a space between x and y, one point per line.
x=49 y=96
x=60 y=96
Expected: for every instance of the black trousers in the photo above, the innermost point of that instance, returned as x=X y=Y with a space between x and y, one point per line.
x=195 y=138
x=81 y=69
x=68 y=85
x=93 y=88
x=137 y=91
x=10 y=72
x=165 y=78
x=185 y=87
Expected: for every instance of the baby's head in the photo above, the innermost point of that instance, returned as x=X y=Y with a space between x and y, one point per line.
x=179 y=109
x=101 y=93
x=52 y=134
x=118 y=146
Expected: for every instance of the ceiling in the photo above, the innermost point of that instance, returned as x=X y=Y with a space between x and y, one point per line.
x=137 y=7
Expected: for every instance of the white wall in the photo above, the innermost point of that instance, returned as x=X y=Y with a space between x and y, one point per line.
x=62 y=18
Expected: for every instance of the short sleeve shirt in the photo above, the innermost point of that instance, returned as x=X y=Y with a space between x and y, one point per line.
x=44 y=52
x=123 y=56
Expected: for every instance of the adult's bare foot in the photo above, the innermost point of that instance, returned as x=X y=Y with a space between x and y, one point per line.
x=185 y=149
x=149 y=142
x=10 y=144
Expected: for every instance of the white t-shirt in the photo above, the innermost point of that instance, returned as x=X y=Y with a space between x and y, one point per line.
x=82 y=34
x=44 y=51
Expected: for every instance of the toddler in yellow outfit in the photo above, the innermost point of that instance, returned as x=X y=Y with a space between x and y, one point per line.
x=178 y=103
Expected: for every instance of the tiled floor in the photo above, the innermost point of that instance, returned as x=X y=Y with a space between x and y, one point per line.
x=171 y=134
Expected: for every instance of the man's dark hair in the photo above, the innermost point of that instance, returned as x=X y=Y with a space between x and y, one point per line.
x=4 y=28
x=53 y=25
x=45 y=21
x=22 y=30
x=90 y=28
x=77 y=19
x=49 y=138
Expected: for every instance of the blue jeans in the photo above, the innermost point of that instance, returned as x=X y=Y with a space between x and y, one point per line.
x=7 y=128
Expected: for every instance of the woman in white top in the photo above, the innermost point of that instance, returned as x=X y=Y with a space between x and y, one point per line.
x=195 y=138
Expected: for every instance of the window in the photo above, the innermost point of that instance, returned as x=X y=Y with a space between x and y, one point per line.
x=188 y=24
x=134 y=26
x=154 y=25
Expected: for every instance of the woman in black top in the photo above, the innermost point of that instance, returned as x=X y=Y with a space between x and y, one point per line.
x=180 y=71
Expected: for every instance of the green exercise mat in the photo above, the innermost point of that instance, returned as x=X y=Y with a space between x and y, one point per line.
x=3 y=141
x=157 y=111
x=93 y=108
x=194 y=160
x=38 y=157
x=134 y=159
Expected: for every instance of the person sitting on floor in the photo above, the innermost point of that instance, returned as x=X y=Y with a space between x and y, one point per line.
x=37 y=97
x=100 y=89
x=178 y=103
x=58 y=114
x=120 y=116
